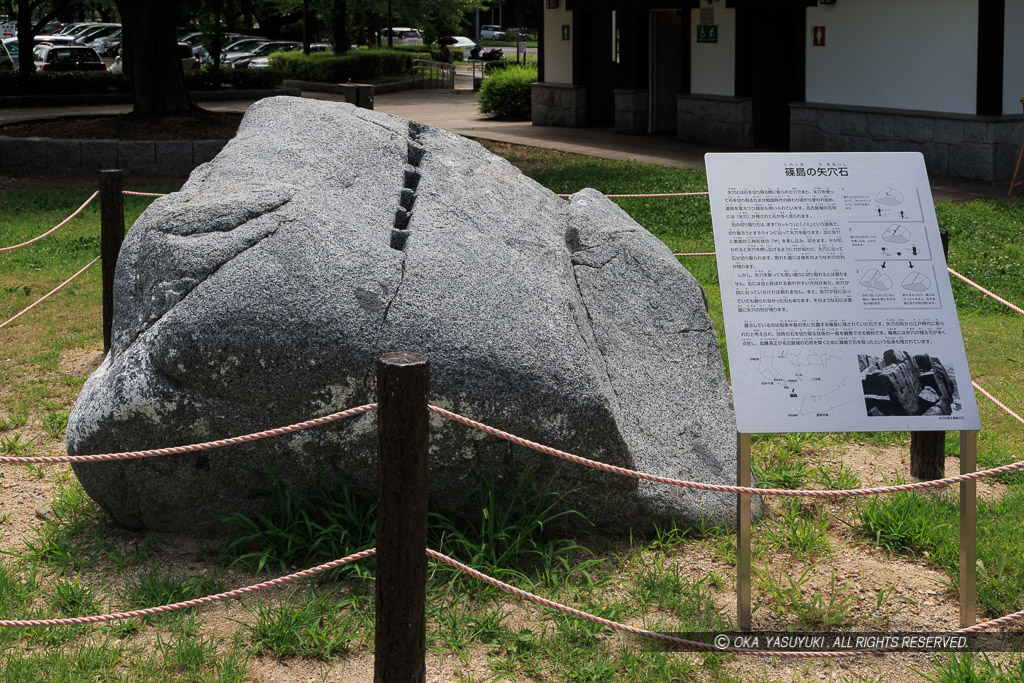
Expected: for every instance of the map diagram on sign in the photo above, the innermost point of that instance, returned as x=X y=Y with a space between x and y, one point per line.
x=800 y=376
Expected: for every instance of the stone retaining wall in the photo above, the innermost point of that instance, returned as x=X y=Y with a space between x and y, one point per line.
x=63 y=158
x=558 y=104
x=114 y=98
x=962 y=146
x=715 y=120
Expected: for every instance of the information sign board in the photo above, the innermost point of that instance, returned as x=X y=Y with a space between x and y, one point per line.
x=839 y=315
x=707 y=33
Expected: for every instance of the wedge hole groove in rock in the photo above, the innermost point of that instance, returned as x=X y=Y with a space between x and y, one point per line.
x=407 y=199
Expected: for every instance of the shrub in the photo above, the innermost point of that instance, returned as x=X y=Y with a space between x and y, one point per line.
x=364 y=65
x=506 y=94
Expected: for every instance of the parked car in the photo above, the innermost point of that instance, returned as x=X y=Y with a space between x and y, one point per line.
x=94 y=32
x=51 y=57
x=6 y=62
x=202 y=52
x=70 y=29
x=240 y=60
x=264 y=62
x=461 y=42
x=491 y=32
x=11 y=46
x=517 y=34
x=98 y=42
x=243 y=45
x=109 y=46
x=402 y=35
x=188 y=60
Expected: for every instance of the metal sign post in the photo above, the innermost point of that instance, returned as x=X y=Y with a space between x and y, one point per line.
x=743 y=533
x=968 y=529
x=839 y=314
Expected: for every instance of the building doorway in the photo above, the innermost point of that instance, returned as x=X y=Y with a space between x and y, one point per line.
x=772 y=73
x=669 y=63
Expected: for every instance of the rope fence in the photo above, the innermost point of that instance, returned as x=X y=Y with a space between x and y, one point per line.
x=548 y=450
x=144 y=194
x=190 y=448
x=645 y=196
x=54 y=228
x=238 y=592
x=501 y=585
x=721 y=488
x=48 y=294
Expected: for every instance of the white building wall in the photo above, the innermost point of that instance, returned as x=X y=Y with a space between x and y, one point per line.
x=557 y=52
x=713 y=65
x=905 y=54
x=1013 y=57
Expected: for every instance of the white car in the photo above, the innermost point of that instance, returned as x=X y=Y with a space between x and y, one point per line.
x=6 y=63
x=402 y=35
x=491 y=32
x=188 y=61
x=264 y=62
x=461 y=42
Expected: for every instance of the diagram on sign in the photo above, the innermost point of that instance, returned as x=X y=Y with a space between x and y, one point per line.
x=822 y=404
x=897 y=234
x=799 y=376
x=876 y=279
x=869 y=242
x=889 y=196
x=916 y=282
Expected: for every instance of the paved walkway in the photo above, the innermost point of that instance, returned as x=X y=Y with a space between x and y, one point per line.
x=455 y=110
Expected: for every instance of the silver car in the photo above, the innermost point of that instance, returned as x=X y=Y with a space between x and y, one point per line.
x=6 y=62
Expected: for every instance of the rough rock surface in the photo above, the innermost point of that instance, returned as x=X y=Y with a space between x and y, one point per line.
x=323 y=236
x=898 y=384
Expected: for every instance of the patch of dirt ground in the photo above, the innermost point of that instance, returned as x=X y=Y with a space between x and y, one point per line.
x=886 y=592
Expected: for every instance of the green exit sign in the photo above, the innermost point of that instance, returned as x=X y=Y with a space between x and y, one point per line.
x=707 y=33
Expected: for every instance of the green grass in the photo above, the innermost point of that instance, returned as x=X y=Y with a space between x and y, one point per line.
x=302 y=529
x=927 y=525
x=307 y=625
x=66 y=563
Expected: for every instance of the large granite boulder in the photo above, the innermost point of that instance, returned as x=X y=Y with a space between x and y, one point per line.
x=324 y=236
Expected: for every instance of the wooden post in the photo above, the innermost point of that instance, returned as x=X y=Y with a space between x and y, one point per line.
x=400 y=640
x=928 y=449
x=111 y=237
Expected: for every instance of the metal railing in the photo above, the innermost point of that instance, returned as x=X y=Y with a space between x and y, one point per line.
x=433 y=75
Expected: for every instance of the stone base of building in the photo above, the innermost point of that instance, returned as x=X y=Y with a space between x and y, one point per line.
x=632 y=115
x=962 y=146
x=715 y=120
x=557 y=104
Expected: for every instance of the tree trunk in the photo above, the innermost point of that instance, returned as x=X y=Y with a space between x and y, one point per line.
x=150 y=54
x=307 y=28
x=339 y=26
x=26 y=65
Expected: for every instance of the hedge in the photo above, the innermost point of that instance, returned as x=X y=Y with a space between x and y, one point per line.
x=364 y=65
x=506 y=94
